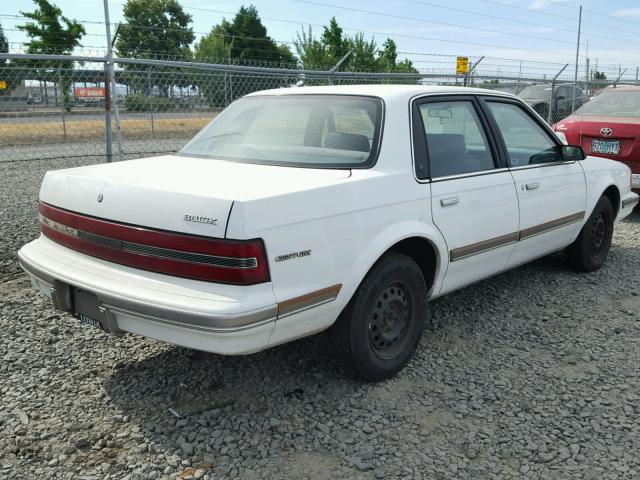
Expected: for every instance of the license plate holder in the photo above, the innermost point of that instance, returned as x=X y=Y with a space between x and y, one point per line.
x=606 y=147
x=86 y=308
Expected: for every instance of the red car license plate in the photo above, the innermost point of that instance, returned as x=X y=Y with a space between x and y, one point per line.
x=608 y=147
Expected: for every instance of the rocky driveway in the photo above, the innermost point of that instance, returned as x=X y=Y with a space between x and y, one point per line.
x=533 y=374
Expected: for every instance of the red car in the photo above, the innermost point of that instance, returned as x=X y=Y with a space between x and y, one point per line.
x=608 y=126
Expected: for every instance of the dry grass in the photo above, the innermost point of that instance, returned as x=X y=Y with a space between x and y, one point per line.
x=32 y=133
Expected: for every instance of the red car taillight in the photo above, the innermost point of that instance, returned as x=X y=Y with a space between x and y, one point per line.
x=240 y=262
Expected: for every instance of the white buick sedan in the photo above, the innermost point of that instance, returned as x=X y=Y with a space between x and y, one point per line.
x=301 y=209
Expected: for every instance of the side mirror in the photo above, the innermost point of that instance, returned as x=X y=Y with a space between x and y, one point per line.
x=571 y=153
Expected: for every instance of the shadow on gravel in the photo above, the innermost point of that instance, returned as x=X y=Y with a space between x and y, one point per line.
x=634 y=217
x=217 y=392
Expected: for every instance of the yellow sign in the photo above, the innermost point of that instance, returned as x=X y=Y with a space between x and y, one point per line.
x=3 y=84
x=462 y=65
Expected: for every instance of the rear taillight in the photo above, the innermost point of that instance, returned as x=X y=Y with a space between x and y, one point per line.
x=239 y=262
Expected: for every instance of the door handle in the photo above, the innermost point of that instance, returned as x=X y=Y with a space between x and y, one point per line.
x=450 y=201
x=531 y=186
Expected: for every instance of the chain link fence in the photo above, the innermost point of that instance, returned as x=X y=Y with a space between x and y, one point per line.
x=55 y=106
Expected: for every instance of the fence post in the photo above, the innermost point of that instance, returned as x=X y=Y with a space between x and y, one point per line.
x=153 y=127
x=586 y=79
x=107 y=114
x=615 y=84
x=553 y=85
x=226 y=90
x=473 y=67
x=62 y=106
x=112 y=84
x=337 y=66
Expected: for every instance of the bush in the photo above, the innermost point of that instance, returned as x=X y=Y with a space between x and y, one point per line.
x=148 y=103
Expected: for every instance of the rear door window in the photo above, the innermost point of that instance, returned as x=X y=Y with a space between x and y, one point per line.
x=455 y=138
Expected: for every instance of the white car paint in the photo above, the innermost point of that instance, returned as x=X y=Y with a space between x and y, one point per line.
x=347 y=219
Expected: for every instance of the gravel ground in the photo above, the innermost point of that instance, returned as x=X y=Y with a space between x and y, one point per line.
x=532 y=374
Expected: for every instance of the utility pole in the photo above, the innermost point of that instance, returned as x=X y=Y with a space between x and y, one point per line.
x=470 y=72
x=575 y=74
x=587 y=78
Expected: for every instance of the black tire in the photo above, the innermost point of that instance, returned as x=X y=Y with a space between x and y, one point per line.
x=377 y=333
x=590 y=249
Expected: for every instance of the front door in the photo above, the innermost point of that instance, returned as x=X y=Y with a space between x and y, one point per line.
x=551 y=193
x=474 y=202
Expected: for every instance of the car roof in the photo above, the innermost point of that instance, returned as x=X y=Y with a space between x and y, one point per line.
x=386 y=91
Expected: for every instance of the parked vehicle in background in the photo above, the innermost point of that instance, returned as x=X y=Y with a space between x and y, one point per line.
x=296 y=210
x=33 y=99
x=538 y=97
x=608 y=126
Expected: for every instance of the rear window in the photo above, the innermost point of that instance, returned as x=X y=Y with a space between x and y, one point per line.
x=621 y=103
x=319 y=131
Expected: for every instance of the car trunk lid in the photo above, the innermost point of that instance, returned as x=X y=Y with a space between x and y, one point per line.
x=174 y=193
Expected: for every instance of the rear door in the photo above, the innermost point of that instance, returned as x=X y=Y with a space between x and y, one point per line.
x=474 y=202
x=551 y=193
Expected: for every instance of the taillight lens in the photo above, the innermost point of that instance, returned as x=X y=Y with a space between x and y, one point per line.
x=239 y=262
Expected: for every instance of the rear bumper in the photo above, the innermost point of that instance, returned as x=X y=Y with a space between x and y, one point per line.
x=229 y=320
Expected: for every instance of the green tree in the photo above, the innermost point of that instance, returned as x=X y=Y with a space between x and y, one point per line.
x=364 y=55
x=249 y=39
x=388 y=55
x=242 y=40
x=4 y=72
x=313 y=53
x=599 y=76
x=335 y=43
x=52 y=32
x=213 y=48
x=155 y=29
x=4 y=43
x=47 y=33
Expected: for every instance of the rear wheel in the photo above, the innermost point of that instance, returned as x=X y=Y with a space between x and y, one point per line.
x=590 y=249
x=381 y=327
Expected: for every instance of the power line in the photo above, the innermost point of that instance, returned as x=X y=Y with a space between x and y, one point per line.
x=538 y=12
x=375 y=32
x=457 y=25
x=513 y=20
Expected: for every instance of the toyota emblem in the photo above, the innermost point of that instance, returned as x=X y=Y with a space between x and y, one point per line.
x=100 y=198
x=606 y=132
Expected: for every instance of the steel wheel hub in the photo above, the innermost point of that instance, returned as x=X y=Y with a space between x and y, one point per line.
x=389 y=322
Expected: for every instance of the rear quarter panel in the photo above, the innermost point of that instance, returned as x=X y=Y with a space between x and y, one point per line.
x=347 y=225
x=600 y=173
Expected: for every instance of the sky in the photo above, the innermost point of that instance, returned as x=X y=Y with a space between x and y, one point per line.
x=540 y=33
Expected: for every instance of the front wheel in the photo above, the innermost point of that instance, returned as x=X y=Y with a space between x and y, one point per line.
x=591 y=248
x=381 y=327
